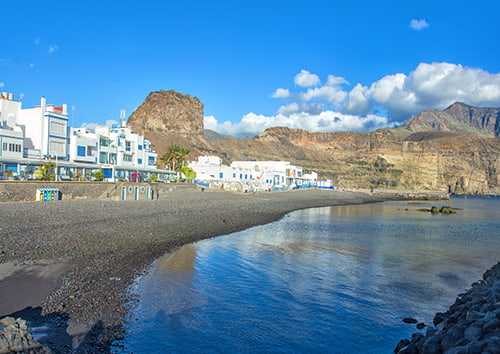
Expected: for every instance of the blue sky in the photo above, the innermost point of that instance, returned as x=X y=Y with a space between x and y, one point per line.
x=315 y=65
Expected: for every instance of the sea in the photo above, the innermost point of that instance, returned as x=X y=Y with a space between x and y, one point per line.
x=322 y=280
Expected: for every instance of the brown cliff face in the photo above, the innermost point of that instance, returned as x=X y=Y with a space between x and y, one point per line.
x=169 y=117
x=169 y=111
x=433 y=150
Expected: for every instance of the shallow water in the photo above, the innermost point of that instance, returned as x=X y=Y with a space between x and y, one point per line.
x=334 y=279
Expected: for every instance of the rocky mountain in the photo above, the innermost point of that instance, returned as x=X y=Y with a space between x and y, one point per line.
x=458 y=117
x=168 y=117
x=456 y=149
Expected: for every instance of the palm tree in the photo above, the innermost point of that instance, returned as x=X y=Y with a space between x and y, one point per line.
x=175 y=157
x=46 y=171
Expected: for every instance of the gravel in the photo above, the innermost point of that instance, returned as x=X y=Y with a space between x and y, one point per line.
x=108 y=243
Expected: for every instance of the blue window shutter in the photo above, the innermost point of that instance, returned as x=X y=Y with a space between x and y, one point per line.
x=81 y=150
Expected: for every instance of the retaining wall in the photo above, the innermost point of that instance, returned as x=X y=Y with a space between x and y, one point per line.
x=23 y=191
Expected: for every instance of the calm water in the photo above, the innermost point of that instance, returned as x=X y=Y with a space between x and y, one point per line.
x=335 y=279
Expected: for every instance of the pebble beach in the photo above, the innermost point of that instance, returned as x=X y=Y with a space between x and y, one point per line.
x=70 y=263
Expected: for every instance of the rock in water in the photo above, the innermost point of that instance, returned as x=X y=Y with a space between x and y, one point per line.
x=15 y=337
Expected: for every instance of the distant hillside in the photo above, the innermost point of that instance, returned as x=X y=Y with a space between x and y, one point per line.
x=458 y=117
x=214 y=136
x=456 y=149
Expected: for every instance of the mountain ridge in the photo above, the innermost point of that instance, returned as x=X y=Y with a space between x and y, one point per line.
x=455 y=149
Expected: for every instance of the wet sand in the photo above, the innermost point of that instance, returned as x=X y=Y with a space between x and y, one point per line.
x=75 y=259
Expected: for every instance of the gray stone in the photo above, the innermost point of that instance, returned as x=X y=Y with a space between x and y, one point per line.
x=410 y=349
x=402 y=343
x=457 y=350
x=473 y=315
x=491 y=327
x=451 y=339
x=430 y=331
x=415 y=337
x=475 y=347
x=16 y=338
x=7 y=321
x=409 y=320
x=472 y=333
x=432 y=345
x=492 y=345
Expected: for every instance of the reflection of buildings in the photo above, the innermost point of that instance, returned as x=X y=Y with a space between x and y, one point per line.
x=29 y=136
x=178 y=262
x=265 y=174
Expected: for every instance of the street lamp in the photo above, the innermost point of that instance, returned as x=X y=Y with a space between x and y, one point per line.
x=55 y=174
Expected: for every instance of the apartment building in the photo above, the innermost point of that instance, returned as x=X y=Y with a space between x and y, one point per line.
x=29 y=136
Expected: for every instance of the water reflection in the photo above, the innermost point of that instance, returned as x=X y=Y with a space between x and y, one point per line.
x=321 y=279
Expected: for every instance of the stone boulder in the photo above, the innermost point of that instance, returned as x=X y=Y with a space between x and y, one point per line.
x=15 y=338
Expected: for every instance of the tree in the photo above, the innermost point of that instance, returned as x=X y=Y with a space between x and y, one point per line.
x=175 y=157
x=99 y=175
x=46 y=171
x=189 y=173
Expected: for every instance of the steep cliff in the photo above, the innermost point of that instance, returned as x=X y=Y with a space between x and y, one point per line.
x=168 y=117
x=456 y=149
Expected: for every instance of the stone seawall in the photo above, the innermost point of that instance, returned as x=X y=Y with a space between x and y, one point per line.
x=25 y=191
x=471 y=325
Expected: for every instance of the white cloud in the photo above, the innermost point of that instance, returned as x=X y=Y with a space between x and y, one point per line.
x=111 y=122
x=336 y=80
x=89 y=126
x=325 y=121
x=306 y=79
x=2 y=84
x=434 y=86
x=38 y=40
x=399 y=96
x=332 y=94
x=418 y=24
x=281 y=93
x=31 y=65
x=357 y=102
x=53 y=48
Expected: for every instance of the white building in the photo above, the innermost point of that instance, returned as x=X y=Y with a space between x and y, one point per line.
x=264 y=175
x=28 y=136
x=11 y=134
x=46 y=129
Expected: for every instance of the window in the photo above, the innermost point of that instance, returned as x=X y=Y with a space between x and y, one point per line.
x=112 y=158
x=80 y=150
x=234 y=175
x=104 y=141
x=128 y=145
x=221 y=175
x=57 y=148
x=103 y=157
x=151 y=161
x=139 y=147
x=11 y=147
x=127 y=158
x=139 y=161
x=57 y=128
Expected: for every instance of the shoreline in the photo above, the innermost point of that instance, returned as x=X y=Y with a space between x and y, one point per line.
x=102 y=246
